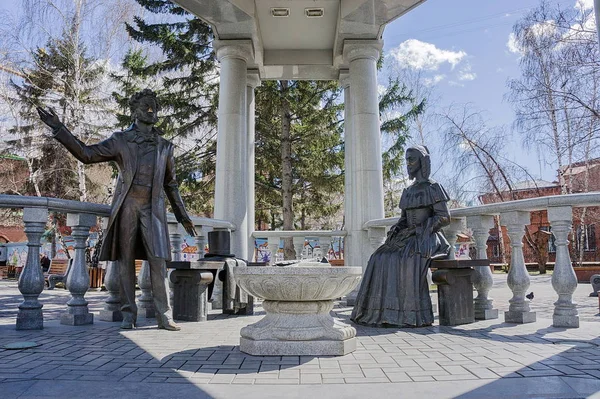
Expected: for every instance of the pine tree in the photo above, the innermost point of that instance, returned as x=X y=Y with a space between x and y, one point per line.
x=53 y=83
x=398 y=108
x=299 y=120
x=185 y=80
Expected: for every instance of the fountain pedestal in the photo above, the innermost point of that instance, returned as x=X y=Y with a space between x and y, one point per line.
x=297 y=303
x=298 y=328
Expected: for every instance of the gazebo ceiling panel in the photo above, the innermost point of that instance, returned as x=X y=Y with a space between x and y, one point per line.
x=297 y=31
x=295 y=46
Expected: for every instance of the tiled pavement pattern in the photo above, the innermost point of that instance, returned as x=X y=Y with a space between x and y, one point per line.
x=485 y=353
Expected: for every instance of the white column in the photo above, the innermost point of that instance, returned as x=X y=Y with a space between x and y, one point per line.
x=564 y=280
x=351 y=245
x=482 y=278
x=231 y=183
x=364 y=141
x=518 y=278
x=253 y=81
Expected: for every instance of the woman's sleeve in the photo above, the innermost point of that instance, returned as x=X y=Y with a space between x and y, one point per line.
x=441 y=216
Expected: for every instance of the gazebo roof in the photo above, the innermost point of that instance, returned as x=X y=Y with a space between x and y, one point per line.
x=298 y=39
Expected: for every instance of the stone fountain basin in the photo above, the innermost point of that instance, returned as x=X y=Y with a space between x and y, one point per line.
x=297 y=302
x=297 y=283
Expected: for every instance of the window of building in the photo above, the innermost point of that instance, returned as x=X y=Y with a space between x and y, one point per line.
x=495 y=251
x=585 y=235
x=551 y=242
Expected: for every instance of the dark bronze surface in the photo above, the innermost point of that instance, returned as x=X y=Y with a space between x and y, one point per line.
x=137 y=227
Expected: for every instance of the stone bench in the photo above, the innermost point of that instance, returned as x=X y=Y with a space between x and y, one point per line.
x=455 y=289
x=57 y=272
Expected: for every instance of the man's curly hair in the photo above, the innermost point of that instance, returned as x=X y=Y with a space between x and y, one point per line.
x=135 y=100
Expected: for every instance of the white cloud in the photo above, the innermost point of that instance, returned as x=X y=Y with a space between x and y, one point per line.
x=544 y=28
x=512 y=44
x=434 y=80
x=584 y=5
x=586 y=30
x=466 y=74
x=381 y=89
x=420 y=55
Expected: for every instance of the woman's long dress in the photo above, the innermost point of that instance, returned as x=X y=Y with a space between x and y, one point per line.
x=394 y=291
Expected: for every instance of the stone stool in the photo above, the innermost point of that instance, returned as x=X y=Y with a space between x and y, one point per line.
x=190 y=283
x=455 y=290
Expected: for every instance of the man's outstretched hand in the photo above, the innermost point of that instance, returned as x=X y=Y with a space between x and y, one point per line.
x=188 y=225
x=49 y=117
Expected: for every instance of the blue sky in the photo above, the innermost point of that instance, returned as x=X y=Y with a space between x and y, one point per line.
x=462 y=45
x=468 y=39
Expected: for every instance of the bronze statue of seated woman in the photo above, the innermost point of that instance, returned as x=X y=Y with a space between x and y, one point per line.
x=394 y=291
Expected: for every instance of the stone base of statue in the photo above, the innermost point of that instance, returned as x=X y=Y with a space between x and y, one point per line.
x=298 y=328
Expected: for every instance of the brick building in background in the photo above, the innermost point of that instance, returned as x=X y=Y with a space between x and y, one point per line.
x=582 y=177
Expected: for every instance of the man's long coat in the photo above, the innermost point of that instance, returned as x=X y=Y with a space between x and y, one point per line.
x=123 y=150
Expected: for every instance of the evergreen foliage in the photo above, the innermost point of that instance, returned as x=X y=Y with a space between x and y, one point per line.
x=186 y=84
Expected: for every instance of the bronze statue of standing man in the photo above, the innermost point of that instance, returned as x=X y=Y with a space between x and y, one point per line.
x=137 y=228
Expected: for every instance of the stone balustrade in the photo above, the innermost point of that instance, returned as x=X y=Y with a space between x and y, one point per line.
x=514 y=215
x=81 y=216
x=299 y=237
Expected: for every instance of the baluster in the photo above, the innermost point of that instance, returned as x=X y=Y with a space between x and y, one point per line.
x=377 y=236
x=31 y=280
x=482 y=278
x=298 y=246
x=451 y=233
x=518 y=278
x=78 y=280
x=325 y=244
x=146 y=300
x=112 y=305
x=200 y=242
x=112 y=279
x=564 y=280
x=273 y=243
x=176 y=241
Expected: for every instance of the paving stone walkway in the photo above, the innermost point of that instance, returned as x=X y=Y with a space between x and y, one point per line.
x=484 y=359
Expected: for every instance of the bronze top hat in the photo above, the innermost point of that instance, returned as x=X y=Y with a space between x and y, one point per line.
x=219 y=244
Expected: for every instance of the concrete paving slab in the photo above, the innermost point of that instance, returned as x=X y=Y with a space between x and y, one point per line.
x=489 y=358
